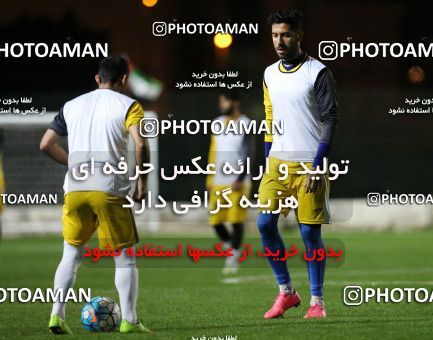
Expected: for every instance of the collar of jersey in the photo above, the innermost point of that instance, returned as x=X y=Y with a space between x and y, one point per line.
x=294 y=68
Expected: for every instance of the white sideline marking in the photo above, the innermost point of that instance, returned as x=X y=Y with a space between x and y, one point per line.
x=240 y=279
x=266 y=278
x=421 y=270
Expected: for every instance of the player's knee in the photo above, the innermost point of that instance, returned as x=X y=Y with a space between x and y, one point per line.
x=73 y=254
x=311 y=233
x=124 y=260
x=266 y=225
x=238 y=226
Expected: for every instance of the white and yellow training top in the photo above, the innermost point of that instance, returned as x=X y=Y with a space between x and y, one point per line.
x=228 y=147
x=303 y=98
x=97 y=124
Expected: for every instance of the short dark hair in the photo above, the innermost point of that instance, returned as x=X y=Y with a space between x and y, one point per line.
x=230 y=94
x=292 y=17
x=112 y=69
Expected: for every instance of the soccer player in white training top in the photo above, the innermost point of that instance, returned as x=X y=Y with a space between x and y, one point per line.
x=231 y=148
x=97 y=125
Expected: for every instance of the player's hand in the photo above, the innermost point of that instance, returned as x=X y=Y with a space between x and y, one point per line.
x=140 y=192
x=312 y=184
x=236 y=186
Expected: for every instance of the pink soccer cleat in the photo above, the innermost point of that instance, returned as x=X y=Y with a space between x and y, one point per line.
x=282 y=303
x=315 y=312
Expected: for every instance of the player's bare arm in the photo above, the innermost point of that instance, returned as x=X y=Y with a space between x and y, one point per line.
x=50 y=144
x=142 y=155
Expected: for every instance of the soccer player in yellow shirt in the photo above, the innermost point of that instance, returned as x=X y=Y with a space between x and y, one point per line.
x=299 y=91
x=230 y=148
x=97 y=125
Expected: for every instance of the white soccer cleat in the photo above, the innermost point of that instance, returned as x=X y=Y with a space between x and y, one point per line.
x=232 y=263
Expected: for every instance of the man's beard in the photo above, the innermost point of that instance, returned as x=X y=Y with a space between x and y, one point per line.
x=290 y=54
x=229 y=112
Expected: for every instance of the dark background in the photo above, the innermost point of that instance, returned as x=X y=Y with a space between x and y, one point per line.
x=386 y=153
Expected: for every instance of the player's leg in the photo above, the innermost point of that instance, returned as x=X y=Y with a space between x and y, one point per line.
x=311 y=235
x=64 y=279
x=272 y=190
x=237 y=235
x=232 y=263
x=236 y=216
x=222 y=233
x=271 y=238
x=224 y=236
x=312 y=212
x=117 y=228
x=126 y=280
x=78 y=226
x=217 y=220
x=2 y=190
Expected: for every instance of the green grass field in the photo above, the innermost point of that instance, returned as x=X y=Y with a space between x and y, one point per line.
x=181 y=303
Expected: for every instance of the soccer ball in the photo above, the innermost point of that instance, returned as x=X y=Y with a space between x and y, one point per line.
x=101 y=314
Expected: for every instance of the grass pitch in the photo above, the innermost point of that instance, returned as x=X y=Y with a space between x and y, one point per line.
x=182 y=303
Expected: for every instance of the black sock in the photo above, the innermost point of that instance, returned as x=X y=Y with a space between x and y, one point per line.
x=222 y=232
x=238 y=233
